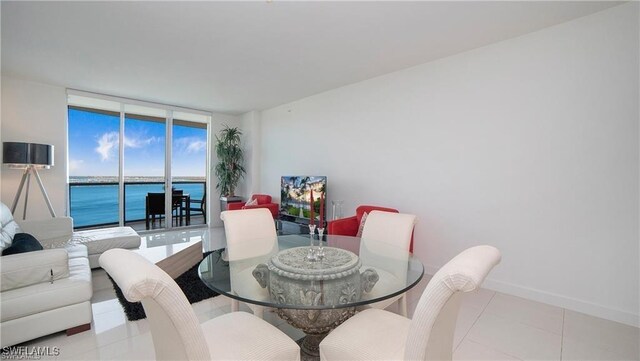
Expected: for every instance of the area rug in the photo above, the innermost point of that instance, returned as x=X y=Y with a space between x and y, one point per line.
x=189 y=282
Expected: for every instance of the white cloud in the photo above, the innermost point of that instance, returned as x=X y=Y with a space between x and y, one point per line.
x=190 y=145
x=137 y=142
x=197 y=146
x=108 y=144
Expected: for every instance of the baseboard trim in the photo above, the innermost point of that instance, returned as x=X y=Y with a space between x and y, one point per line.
x=75 y=330
x=553 y=299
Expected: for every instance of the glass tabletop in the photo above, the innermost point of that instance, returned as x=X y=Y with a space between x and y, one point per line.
x=353 y=272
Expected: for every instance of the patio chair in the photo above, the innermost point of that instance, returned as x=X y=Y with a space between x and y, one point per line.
x=155 y=207
x=199 y=206
x=176 y=205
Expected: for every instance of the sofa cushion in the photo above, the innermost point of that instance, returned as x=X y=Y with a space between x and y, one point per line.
x=45 y=296
x=6 y=237
x=22 y=243
x=8 y=227
x=100 y=240
x=25 y=269
x=50 y=232
x=11 y=229
x=76 y=251
x=5 y=215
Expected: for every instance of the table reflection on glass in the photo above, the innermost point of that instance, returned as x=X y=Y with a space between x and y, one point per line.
x=315 y=296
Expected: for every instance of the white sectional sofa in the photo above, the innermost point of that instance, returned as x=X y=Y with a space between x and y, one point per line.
x=33 y=303
x=101 y=240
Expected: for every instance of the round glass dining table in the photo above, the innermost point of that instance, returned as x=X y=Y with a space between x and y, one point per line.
x=313 y=295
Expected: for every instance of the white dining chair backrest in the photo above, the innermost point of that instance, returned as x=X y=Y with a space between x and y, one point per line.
x=388 y=227
x=385 y=242
x=432 y=326
x=175 y=328
x=375 y=334
x=250 y=233
x=251 y=239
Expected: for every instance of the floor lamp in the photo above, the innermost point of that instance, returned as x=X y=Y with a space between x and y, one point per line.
x=30 y=157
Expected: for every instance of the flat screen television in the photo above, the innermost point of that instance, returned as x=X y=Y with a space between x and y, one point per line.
x=295 y=197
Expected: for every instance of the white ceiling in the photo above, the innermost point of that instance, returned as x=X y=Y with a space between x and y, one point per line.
x=237 y=56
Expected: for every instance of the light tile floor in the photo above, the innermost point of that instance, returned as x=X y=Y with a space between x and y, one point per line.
x=491 y=326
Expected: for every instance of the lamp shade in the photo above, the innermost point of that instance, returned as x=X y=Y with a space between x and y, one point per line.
x=18 y=153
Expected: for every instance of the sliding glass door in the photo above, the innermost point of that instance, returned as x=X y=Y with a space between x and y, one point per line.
x=189 y=166
x=93 y=166
x=143 y=166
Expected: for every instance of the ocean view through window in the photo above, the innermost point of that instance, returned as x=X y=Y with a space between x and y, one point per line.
x=96 y=157
x=94 y=200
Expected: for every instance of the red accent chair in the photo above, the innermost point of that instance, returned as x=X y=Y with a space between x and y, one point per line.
x=264 y=201
x=349 y=226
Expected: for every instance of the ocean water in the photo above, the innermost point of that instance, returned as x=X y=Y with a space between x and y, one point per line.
x=98 y=203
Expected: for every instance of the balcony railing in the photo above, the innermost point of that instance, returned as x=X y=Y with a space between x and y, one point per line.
x=95 y=204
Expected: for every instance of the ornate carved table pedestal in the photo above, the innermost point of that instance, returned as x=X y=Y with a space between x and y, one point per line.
x=330 y=282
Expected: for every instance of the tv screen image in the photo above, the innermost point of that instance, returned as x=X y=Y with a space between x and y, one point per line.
x=295 y=196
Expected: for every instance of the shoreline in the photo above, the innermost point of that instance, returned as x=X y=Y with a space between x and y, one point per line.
x=134 y=179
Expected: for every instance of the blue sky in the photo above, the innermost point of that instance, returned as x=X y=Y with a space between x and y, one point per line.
x=93 y=147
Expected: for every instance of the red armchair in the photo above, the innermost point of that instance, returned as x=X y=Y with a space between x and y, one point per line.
x=264 y=201
x=349 y=226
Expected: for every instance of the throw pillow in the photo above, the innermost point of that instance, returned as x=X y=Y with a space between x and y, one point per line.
x=361 y=228
x=23 y=242
x=253 y=202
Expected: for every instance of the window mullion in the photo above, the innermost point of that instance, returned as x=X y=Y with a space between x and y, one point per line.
x=121 y=190
x=168 y=182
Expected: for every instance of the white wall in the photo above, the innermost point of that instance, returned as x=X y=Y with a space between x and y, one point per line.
x=530 y=145
x=250 y=125
x=35 y=112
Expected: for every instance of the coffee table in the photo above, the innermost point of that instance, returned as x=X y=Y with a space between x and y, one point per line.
x=175 y=252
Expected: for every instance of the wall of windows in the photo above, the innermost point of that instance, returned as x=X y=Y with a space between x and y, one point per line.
x=124 y=154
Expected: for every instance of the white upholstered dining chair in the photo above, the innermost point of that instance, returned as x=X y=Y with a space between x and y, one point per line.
x=376 y=334
x=177 y=334
x=251 y=237
x=393 y=232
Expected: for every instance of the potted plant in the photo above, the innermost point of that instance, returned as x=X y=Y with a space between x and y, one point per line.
x=230 y=168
